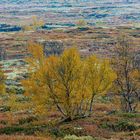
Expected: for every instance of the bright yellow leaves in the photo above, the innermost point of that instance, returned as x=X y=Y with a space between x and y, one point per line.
x=67 y=82
x=2 y=85
x=100 y=75
x=36 y=24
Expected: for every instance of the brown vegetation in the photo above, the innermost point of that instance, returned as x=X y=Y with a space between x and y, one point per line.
x=75 y=87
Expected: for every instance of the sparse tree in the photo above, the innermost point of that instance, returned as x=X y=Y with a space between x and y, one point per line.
x=81 y=23
x=127 y=83
x=37 y=23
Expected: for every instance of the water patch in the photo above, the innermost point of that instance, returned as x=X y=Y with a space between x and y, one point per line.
x=9 y=28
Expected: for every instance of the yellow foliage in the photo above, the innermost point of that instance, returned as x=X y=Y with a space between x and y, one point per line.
x=66 y=81
x=2 y=85
x=135 y=76
x=36 y=23
x=81 y=23
x=100 y=75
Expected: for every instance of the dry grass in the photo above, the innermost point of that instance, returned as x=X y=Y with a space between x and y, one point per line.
x=5 y=137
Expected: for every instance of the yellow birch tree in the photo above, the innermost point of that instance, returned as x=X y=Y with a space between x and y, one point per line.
x=66 y=82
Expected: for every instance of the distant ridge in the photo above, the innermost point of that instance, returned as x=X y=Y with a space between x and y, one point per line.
x=95 y=12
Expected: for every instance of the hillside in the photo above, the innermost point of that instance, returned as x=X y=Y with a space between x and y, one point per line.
x=69 y=69
x=63 y=13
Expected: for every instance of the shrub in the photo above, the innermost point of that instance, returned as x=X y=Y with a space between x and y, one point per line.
x=20 y=130
x=130 y=115
x=122 y=125
x=3 y=122
x=27 y=120
x=55 y=132
x=4 y=108
x=66 y=130
x=125 y=126
x=11 y=130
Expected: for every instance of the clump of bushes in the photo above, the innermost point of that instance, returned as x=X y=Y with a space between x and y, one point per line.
x=122 y=125
x=129 y=115
x=66 y=130
x=73 y=137
x=125 y=126
x=4 y=108
x=55 y=132
x=11 y=130
x=30 y=130
x=3 y=122
x=27 y=120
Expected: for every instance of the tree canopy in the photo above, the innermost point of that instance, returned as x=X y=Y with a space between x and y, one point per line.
x=67 y=82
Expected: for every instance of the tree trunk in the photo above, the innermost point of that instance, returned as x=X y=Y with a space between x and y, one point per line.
x=91 y=104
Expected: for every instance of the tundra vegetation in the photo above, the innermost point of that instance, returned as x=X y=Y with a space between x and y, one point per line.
x=2 y=85
x=74 y=97
x=35 y=25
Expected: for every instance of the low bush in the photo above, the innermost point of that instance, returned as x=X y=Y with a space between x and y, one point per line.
x=129 y=115
x=21 y=130
x=66 y=130
x=122 y=125
x=4 y=108
x=55 y=132
x=4 y=122
x=11 y=130
x=125 y=126
x=27 y=120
